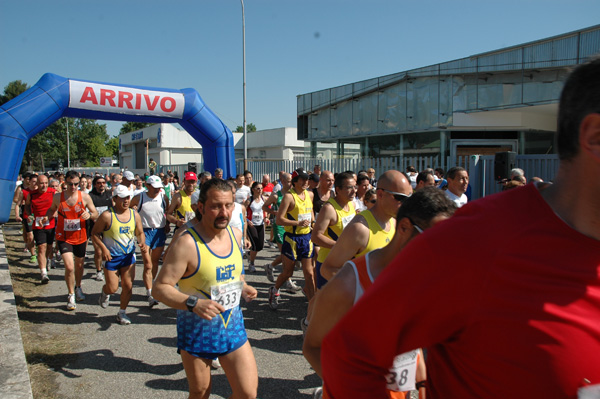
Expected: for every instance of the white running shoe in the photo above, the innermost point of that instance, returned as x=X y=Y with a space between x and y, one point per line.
x=103 y=300
x=273 y=297
x=290 y=286
x=318 y=393
x=269 y=270
x=99 y=275
x=303 y=326
x=123 y=319
x=79 y=294
x=152 y=302
x=216 y=364
x=45 y=278
x=71 y=302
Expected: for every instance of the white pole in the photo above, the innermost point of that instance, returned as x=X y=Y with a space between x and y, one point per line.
x=244 y=95
x=68 y=147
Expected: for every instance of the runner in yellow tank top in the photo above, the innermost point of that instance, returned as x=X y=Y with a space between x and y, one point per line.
x=371 y=229
x=206 y=263
x=335 y=215
x=378 y=236
x=113 y=234
x=180 y=210
x=296 y=215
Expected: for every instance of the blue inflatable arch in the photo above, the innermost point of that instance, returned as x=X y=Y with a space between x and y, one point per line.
x=53 y=97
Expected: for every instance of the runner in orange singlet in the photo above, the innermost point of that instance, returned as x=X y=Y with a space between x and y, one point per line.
x=71 y=234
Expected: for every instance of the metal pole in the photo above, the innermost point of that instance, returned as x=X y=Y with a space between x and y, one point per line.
x=244 y=95
x=68 y=147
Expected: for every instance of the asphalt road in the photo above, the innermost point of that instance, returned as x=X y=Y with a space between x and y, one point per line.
x=141 y=361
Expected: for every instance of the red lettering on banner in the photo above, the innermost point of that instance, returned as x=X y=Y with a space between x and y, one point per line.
x=163 y=104
x=138 y=100
x=89 y=95
x=107 y=96
x=125 y=98
x=152 y=105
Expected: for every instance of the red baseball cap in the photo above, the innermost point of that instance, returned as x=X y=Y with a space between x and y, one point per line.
x=190 y=176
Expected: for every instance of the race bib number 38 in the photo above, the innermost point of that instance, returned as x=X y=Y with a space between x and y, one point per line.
x=403 y=373
x=227 y=295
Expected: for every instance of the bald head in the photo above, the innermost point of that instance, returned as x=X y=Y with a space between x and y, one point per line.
x=393 y=180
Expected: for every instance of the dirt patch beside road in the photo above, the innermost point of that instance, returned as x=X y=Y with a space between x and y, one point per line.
x=48 y=347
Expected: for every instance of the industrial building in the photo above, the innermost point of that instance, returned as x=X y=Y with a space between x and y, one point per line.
x=172 y=147
x=502 y=100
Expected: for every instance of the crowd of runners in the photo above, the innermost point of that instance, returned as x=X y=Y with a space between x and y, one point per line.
x=483 y=305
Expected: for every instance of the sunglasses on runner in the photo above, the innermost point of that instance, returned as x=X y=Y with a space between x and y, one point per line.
x=397 y=196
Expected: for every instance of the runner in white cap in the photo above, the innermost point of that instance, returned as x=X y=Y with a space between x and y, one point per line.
x=152 y=205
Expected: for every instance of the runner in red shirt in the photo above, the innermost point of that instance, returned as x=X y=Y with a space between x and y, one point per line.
x=37 y=204
x=505 y=295
x=71 y=234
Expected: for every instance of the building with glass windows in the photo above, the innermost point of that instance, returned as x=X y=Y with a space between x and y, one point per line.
x=503 y=100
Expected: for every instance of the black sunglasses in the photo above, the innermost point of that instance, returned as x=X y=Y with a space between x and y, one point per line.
x=397 y=196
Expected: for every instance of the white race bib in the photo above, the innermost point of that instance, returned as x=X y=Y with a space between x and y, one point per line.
x=347 y=220
x=589 y=392
x=227 y=295
x=304 y=216
x=101 y=209
x=72 y=224
x=189 y=216
x=38 y=221
x=403 y=374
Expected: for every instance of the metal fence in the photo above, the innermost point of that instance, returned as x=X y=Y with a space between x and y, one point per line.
x=480 y=167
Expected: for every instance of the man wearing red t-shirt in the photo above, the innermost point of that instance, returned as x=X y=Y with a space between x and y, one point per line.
x=37 y=204
x=499 y=320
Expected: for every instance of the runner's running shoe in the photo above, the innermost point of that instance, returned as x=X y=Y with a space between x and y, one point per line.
x=123 y=319
x=152 y=302
x=290 y=286
x=103 y=300
x=71 y=302
x=79 y=294
x=269 y=270
x=273 y=298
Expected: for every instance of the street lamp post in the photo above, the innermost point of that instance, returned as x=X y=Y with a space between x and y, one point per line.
x=244 y=83
x=68 y=147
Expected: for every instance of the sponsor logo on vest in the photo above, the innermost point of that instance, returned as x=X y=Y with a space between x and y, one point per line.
x=224 y=273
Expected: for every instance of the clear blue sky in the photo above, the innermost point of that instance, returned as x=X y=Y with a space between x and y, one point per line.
x=292 y=46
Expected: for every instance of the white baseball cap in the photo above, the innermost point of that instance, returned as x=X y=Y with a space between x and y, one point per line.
x=121 y=191
x=154 y=181
x=128 y=175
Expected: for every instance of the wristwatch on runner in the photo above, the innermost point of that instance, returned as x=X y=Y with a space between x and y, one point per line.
x=191 y=302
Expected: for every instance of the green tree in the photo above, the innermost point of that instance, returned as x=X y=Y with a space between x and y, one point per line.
x=249 y=128
x=133 y=126
x=112 y=145
x=12 y=90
